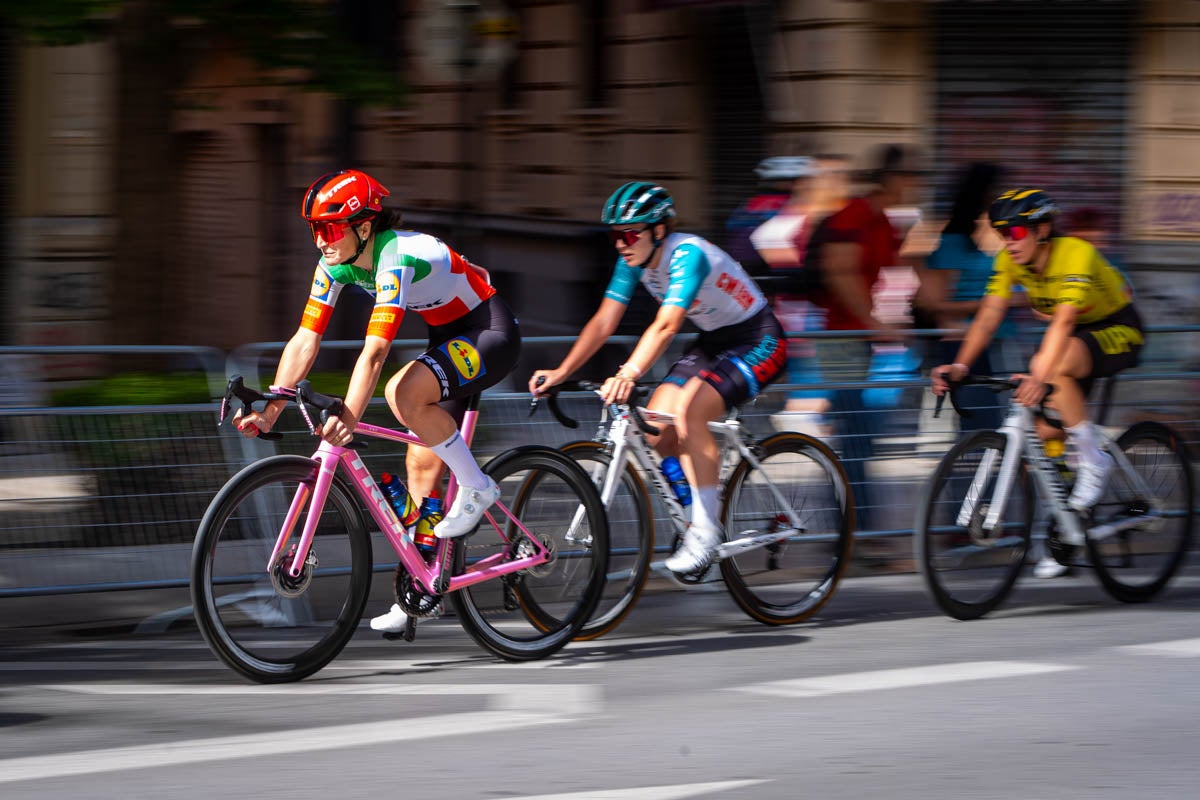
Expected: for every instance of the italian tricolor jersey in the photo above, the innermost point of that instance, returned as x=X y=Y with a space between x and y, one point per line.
x=410 y=270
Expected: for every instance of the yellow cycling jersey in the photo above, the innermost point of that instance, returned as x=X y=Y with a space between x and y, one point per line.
x=1075 y=273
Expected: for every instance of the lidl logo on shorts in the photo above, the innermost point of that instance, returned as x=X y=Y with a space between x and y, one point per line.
x=465 y=358
x=320 y=287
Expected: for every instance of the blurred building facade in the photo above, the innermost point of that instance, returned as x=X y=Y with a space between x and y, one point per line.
x=510 y=159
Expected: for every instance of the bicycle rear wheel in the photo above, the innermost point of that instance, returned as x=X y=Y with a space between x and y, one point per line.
x=1135 y=564
x=969 y=568
x=789 y=580
x=263 y=624
x=630 y=538
x=532 y=614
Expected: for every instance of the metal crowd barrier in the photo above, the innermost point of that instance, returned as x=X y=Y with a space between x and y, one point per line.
x=104 y=498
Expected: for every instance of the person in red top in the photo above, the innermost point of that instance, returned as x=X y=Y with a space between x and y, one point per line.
x=856 y=243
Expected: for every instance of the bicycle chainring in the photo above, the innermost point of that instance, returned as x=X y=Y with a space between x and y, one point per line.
x=287 y=586
x=411 y=599
x=1059 y=550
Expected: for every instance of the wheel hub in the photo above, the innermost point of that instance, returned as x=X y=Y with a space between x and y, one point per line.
x=284 y=583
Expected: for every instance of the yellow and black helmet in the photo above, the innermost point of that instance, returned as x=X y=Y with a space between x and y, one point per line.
x=1022 y=207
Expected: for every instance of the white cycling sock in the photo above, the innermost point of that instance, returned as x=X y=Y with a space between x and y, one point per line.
x=1086 y=442
x=458 y=458
x=706 y=507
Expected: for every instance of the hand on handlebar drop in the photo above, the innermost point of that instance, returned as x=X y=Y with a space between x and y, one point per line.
x=944 y=375
x=1031 y=391
x=541 y=381
x=252 y=424
x=339 y=430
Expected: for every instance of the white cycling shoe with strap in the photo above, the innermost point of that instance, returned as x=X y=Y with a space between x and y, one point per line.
x=391 y=622
x=696 y=551
x=467 y=509
x=1090 y=480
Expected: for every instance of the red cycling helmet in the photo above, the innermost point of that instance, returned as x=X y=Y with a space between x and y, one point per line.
x=342 y=196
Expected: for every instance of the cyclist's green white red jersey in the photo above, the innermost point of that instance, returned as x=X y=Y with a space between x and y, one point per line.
x=696 y=275
x=410 y=270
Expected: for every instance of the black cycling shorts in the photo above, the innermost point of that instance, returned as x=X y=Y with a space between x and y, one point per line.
x=473 y=353
x=1115 y=343
x=738 y=361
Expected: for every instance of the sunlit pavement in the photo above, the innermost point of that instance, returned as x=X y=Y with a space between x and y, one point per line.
x=1063 y=693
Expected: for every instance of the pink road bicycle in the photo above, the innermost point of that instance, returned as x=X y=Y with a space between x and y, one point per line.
x=282 y=562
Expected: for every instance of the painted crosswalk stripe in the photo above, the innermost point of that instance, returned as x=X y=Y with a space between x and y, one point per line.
x=512 y=706
x=1179 y=648
x=677 y=792
x=901 y=678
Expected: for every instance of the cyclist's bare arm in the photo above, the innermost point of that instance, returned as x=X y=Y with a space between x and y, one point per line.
x=297 y=359
x=991 y=313
x=595 y=333
x=363 y=381
x=649 y=349
x=1055 y=342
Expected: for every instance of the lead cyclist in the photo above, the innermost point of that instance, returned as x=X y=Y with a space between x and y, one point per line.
x=473 y=340
x=740 y=350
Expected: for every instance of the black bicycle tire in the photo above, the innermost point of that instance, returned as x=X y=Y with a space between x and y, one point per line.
x=473 y=621
x=604 y=623
x=223 y=645
x=1109 y=579
x=743 y=595
x=950 y=605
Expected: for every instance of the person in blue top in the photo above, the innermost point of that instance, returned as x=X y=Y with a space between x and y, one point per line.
x=955 y=280
x=740 y=350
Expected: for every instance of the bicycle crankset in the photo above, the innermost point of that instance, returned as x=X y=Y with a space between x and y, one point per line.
x=284 y=583
x=412 y=600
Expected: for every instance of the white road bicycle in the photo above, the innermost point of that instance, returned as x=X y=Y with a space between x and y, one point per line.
x=975 y=523
x=787 y=509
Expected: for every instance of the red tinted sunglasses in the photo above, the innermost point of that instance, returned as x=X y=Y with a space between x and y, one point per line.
x=1016 y=233
x=629 y=236
x=329 y=231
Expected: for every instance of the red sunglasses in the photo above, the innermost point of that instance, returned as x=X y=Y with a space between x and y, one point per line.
x=329 y=231
x=1016 y=233
x=629 y=236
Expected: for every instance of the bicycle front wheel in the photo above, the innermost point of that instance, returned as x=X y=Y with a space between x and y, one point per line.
x=789 y=579
x=1135 y=563
x=630 y=538
x=533 y=613
x=969 y=566
x=264 y=624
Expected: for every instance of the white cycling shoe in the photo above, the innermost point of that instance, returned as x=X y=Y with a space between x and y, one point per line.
x=391 y=622
x=466 y=510
x=695 y=552
x=1047 y=567
x=1090 y=480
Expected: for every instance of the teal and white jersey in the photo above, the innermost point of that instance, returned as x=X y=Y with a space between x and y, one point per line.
x=694 y=274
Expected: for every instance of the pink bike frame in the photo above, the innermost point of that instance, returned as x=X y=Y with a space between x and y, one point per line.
x=426 y=574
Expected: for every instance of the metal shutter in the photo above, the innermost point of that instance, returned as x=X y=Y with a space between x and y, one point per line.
x=1039 y=88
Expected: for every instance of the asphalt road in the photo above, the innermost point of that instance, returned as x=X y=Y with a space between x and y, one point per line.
x=1064 y=693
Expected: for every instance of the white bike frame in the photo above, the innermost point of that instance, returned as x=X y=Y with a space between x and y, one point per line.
x=626 y=442
x=1024 y=443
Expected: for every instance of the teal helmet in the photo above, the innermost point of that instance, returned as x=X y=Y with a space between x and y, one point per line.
x=638 y=202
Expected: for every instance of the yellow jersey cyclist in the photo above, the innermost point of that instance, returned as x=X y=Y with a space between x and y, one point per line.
x=473 y=339
x=1095 y=330
x=741 y=346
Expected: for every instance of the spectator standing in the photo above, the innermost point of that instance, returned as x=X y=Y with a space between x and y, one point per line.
x=953 y=282
x=857 y=242
x=819 y=189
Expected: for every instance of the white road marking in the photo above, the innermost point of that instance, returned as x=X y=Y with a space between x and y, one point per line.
x=647 y=792
x=351 y=665
x=512 y=706
x=901 y=678
x=1180 y=648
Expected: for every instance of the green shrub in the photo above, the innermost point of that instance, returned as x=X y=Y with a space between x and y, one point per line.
x=137 y=389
